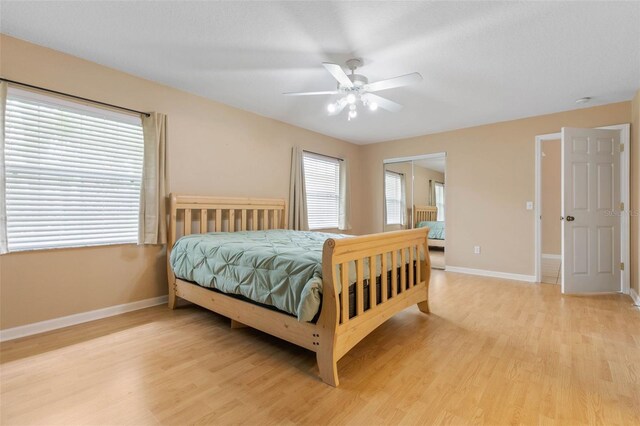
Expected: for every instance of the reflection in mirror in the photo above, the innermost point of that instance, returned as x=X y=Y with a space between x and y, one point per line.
x=414 y=196
x=398 y=195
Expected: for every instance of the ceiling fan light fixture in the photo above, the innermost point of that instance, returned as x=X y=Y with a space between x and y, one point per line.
x=356 y=87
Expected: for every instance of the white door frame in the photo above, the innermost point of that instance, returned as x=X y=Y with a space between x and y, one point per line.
x=625 y=135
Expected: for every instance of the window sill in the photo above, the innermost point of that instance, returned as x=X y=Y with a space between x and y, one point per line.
x=77 y=247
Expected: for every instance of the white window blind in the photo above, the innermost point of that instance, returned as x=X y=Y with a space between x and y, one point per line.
x=439 y=189
x=73 y=173
x=322 y=182
x=393 y=197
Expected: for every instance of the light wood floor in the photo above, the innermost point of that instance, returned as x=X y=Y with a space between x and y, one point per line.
x=493 y=351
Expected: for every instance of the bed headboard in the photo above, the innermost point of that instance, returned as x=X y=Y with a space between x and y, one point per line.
x=424 y=213
x=190 y=214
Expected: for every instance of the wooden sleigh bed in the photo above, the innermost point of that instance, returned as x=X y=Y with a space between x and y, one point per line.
x=427 y=214
x=336 y=331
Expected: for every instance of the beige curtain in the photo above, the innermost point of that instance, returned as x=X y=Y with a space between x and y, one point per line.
x=345 y=197
x=3 y=203
x=432 y=192
x=152 y=221
x=298 y=219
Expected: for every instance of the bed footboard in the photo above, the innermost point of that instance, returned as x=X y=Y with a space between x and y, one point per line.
x=399 y=259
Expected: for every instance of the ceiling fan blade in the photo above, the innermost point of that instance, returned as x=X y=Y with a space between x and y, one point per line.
x=383 y=103
x=338 y=73
x=327 y=92
x=339 y=107
x=392 y=83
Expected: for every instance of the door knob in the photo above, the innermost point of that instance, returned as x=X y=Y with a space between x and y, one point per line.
x=570 y=218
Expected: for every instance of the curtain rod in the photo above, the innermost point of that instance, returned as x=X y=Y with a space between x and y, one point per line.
x=146 y=114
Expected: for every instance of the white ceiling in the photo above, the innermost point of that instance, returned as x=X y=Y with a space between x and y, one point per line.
x=482 y=62
x=432 y=163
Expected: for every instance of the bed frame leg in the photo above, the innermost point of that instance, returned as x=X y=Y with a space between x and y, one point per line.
x=328 y=366
x=425 y=273
x=172 y=298
x=237 y=324
x=424 y=307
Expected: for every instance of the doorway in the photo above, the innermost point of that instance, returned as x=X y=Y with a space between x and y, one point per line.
x=551 y=211
x=575 y=234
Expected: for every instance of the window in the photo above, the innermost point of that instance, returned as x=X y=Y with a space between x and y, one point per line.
x=393 y=184
x=73 y=173
x=439 y=189
x=322 y=182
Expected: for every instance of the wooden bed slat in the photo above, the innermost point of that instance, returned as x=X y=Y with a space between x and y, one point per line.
x=218 y=220
x=203 y=221
x=384 y=279
x=418 y=250
x=410 y=283
x=244 y=219
x=359 y=286
x=187 y=222
x=344 y=294
x=403 y=270
x=372 y=281
x=394 y=273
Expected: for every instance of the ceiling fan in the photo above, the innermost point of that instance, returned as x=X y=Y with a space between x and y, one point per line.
x=356 y=87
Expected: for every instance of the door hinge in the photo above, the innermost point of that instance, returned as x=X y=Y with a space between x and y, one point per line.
x=621 y=147
x=622 y=266
x=621 y=207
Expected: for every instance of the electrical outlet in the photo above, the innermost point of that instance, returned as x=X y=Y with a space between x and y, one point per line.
x=476 y=249
x=529 y=205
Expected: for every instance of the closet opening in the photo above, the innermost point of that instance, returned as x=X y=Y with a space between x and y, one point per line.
x=415 y=197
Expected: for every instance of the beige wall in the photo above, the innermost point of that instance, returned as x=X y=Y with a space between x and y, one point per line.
x=551 y=198
x=490 y=177
x=213 y=150
x=635 y=193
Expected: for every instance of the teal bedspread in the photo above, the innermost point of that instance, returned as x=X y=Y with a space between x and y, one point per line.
x=436 y=229
x=280 y=268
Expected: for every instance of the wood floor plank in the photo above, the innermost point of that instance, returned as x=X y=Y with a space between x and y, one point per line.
x=491 y=352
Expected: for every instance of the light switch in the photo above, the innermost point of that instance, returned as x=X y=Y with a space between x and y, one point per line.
x=529 y=205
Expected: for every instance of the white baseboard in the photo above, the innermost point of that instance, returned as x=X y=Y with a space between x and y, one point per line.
x=494 y=274
x=552 y=256
x=56 y=323
x=635 y=296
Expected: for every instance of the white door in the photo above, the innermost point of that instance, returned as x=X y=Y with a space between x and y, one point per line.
x=590 y=207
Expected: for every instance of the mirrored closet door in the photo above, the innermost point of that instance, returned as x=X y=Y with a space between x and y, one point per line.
x=414 y=196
